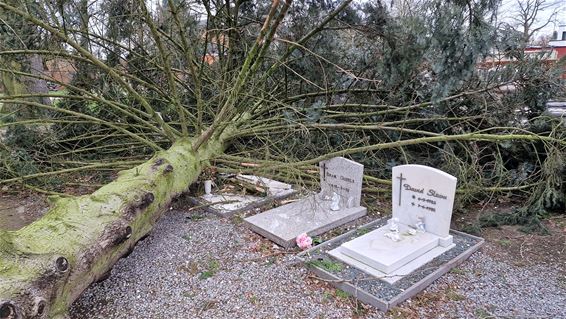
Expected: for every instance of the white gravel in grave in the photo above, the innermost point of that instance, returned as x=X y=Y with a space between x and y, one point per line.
x=163 y=278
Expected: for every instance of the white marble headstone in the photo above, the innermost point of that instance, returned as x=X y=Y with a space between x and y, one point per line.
x=344 y=177
x=426 y=193
x=423 y=198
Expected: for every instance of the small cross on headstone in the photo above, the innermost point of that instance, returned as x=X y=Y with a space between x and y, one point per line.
x=401 y=179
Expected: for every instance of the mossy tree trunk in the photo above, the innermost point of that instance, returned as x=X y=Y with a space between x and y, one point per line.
x=46 y=265
x=12 y=86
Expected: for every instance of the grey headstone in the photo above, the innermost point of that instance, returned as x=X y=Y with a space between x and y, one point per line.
x=342 y=176
x=313 y=215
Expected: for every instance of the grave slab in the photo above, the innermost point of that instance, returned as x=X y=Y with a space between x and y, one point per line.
x=229 y=204
x=392 y=276
x=422 y=208
x=377 y=289
x=383 y=254
x=311 y=215
x=337 y=203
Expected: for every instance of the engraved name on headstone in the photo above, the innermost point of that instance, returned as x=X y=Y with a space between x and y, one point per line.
x=344 y=177
x=422 y=193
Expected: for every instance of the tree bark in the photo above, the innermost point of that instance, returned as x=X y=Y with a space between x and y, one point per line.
x=46 y=265
x=16 y=85
x=12 y=86
x=38 y=85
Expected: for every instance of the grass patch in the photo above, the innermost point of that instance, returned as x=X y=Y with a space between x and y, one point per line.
x=457 y=271
x=206 y=274
x=482 y=313
x=197 y=217
x=327 y=265
x=362 y=231
x=504 y=242
x=211 y=269
x=317 y=240
x=237 y=219
x=472 y=229
x=454 y=295
x=342 y=294
x=326 y=296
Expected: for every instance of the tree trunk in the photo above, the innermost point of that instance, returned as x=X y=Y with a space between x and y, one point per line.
x=38 y=85
x=16 y=85
x=12 y=86
x=46 y=265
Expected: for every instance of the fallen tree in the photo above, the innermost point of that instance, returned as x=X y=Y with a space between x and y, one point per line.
x=147 y=99
x=45 y=266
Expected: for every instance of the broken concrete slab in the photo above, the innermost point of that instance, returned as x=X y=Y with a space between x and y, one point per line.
x=227 y=204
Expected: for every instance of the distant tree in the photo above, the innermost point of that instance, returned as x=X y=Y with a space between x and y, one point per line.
x=17 y=34
x=527 y=16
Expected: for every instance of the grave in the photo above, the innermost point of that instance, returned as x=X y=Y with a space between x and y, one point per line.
x=337 y=203
x=422 y=202
x=384 y=262
x=375 y=290
x=226 y=204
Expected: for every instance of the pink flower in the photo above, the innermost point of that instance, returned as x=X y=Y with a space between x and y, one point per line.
x=304 y=241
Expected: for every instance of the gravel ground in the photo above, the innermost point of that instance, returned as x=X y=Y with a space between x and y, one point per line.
x=205 y=267
x=483 y=287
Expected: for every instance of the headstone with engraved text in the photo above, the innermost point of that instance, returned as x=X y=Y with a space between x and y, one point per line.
x=422 y=202
x=337 y=203
x=424 y=193
x=344 y=177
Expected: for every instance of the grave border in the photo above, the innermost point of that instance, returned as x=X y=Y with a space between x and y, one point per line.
x=367 y=297
x=197 y=201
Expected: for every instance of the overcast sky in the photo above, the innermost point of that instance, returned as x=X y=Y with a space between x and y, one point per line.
x=508 y=7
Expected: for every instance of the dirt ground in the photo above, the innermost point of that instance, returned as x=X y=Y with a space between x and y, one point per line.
x=18 y=210
x=510 y=244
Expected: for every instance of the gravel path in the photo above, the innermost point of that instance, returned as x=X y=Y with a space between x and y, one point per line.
x=195 y=267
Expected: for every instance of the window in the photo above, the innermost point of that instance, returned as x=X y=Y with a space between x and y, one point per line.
x=563 y=35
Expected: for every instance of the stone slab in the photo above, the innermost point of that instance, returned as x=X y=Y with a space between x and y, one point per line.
x=229 y=204
x=274 y=188
x=376 y=291
x=393 y=276
x=386 y=255
x=310 y=215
